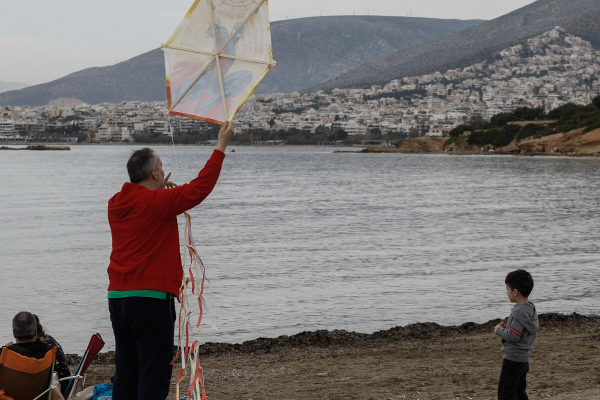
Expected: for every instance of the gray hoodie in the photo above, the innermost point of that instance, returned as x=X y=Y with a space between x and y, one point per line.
x=520 y=332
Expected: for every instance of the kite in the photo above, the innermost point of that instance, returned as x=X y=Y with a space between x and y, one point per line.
x=217 y=56
x=214 y=60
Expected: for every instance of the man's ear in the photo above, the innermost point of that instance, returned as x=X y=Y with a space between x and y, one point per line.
x=154 y=174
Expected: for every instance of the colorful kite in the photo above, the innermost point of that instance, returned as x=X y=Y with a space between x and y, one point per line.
x=217 y=56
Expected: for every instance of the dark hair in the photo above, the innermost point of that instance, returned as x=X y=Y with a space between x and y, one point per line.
x=40 y=328
x=140 y=165
x=520 y=280
x=23 y=325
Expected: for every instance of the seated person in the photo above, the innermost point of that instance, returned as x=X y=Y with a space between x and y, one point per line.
x=25 y=333
x=60 y=366
x=27 y=344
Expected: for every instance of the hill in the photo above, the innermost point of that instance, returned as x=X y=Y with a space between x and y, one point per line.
x=364 y=38
x=587 y=28
x=7 y=86
x=139 y=78
x=357 y=37
x=527 y=21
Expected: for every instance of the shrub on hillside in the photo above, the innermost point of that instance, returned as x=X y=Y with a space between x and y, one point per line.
x=529 y=130
x=459 y=130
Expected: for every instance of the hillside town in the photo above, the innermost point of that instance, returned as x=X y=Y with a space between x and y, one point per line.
x=545 y=71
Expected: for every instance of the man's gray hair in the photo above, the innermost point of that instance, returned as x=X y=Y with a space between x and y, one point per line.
x=140 y=165
x=24 y=325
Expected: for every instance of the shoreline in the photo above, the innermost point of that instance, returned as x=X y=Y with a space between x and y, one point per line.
x=470 y=153
x=419 y=330
x=422 y=360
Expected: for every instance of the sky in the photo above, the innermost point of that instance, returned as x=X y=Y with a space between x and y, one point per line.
x=43 y=40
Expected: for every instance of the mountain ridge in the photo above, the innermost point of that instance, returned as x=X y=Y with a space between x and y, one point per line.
x=587 y=28
x=519 y=24
x=364 y=38
x=8 y=86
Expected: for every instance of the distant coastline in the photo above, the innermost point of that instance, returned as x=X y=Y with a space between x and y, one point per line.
x=37 y=147
x=576 y=143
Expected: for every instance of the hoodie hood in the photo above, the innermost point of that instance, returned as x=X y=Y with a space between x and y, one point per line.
x=526 y=314
x=123 y=202
x=36 y=349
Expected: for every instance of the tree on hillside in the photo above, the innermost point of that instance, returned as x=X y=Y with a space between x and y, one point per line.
x=519 y=114
x=477 y=121
x=459 y=130
x=564 y=112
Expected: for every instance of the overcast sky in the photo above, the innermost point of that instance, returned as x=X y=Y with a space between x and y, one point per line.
x=43 y=40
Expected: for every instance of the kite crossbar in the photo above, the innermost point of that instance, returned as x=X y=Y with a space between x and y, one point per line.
x=254 y=60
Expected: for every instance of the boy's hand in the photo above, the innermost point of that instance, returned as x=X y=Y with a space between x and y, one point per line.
x=500 y=325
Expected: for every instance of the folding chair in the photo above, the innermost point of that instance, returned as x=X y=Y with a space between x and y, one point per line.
x=26 y=378
x=94 y=346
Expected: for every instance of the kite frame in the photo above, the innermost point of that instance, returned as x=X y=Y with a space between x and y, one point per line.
x=216 y=58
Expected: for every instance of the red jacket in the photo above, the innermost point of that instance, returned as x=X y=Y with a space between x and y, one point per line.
x=145 y=235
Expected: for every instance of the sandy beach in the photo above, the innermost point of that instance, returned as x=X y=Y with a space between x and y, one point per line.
x=419 y=361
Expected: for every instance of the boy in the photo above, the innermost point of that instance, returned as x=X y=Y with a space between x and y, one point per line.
x=518 y=335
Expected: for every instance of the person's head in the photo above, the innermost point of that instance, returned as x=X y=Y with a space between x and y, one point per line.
x=144 y=166
x=40 y=329
x=24 y=327
x=519 y=285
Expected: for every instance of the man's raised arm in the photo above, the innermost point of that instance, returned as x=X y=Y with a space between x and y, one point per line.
x=182 y=198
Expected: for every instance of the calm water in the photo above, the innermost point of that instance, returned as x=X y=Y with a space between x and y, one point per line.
x=301 y=239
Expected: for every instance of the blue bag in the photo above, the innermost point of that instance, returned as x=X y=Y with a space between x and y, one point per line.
x=103 y=391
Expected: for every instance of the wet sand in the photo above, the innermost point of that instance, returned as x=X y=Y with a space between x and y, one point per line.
x=420 y=361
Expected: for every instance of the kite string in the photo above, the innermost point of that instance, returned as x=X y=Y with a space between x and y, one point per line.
x=397 y=77
x=172 y=132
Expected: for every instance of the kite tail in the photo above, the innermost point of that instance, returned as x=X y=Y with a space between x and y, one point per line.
x=192 y=285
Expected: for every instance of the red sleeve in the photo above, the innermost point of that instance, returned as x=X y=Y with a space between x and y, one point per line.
x=172 y=202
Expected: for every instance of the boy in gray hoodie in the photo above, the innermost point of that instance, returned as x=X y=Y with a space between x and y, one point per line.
x=518 y=335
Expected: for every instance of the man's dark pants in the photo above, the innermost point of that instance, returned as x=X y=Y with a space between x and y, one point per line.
x=144 y=329
x=513 y=381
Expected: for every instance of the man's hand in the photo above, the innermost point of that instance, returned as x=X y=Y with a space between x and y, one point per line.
x=168 y=183
x=225 y=135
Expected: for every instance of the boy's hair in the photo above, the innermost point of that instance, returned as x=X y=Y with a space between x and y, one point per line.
x=520 y=280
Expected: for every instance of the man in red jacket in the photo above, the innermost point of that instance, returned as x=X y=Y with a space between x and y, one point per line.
x=145 y=270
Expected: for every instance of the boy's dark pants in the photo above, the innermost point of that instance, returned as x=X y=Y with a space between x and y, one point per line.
x=144 y=330
x=513 y=381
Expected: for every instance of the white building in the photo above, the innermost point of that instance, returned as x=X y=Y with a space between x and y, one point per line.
x=120 y=135
x=7 y=127
x=105 y=133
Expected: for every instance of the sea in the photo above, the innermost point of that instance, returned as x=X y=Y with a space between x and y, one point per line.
x=305 y=238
